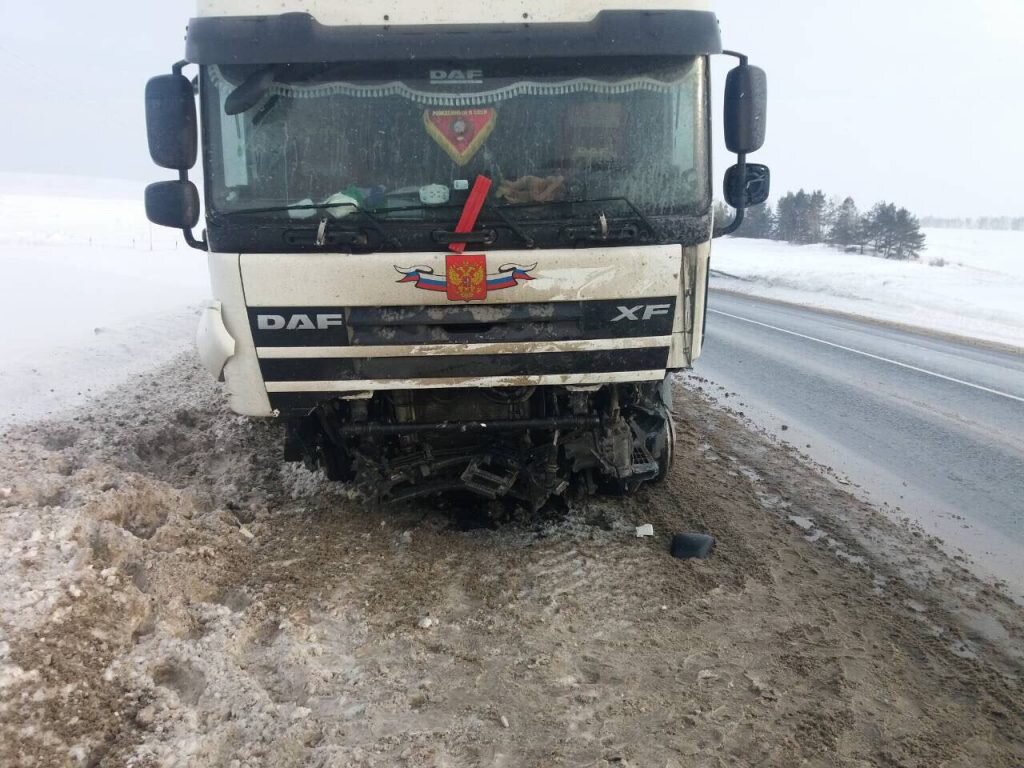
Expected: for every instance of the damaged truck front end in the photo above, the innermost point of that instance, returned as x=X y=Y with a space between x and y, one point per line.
x=455 y=256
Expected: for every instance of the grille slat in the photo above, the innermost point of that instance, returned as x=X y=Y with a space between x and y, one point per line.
x=470 y=366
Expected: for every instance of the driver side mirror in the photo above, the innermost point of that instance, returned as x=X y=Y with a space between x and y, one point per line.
x=749 y=189
x=171 y=122
x=746 y=107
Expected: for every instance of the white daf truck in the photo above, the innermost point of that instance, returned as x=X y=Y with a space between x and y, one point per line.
x=455 y=246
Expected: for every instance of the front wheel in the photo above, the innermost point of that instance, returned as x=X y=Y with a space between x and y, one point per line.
x=662 y=444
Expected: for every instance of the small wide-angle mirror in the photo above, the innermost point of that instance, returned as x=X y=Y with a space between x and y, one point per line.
x=173 y=204
x=746 y=107
x=749 y=189
x=171 y=122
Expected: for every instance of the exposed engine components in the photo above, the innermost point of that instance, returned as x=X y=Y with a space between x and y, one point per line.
x=526 y=444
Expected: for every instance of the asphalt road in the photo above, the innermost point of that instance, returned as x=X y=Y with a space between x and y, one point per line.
x=930 y=425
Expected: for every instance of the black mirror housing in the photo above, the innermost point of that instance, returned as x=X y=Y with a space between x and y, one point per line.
x=171 y=122
x=173 y=204
x=746 y=107
x=749 y=189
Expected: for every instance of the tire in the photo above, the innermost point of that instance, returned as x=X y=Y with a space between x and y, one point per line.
x=667 y=456
x=693 y=546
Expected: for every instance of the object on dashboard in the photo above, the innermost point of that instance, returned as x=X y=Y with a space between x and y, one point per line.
x=435 y=194
x=304 y=209
x=596 y=133
x=341 y=205
x=532 y=189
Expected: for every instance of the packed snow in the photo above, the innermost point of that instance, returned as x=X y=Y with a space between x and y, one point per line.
x=91 y=292
x=967 y=283
x=172 y=594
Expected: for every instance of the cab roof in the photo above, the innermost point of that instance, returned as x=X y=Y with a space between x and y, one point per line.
x=309 y=31
x=428 y=12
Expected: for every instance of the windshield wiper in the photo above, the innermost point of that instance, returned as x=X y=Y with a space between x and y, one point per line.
x=515 y=229
x=314 y=207
x=601 y=214
x=485 y=236
x=529 y=241
x=600 y=229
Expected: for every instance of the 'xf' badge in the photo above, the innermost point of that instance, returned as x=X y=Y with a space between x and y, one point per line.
x=643 y=312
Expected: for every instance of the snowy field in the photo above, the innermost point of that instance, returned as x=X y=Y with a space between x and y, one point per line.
x=90 y=291
x=978 y=292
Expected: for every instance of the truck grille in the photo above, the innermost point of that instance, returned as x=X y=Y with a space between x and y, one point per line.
x=477 y=324
x=311 y=354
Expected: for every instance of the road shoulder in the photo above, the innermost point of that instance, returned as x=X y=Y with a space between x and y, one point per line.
x=913 y=329
x=173 y=593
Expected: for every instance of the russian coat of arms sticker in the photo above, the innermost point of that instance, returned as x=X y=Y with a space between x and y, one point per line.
x=466 y=277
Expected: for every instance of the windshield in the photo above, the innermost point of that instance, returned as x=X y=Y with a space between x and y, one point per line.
x=408 y=149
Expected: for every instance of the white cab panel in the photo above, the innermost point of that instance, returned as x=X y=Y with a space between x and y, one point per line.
x=408 y=12
x=340 y=280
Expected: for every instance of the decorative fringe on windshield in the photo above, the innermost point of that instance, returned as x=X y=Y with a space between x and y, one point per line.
x=523 y=88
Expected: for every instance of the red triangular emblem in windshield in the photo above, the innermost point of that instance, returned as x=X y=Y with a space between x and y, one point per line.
x=460 y=132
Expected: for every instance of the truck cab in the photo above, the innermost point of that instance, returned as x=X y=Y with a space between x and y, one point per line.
x=455 y=247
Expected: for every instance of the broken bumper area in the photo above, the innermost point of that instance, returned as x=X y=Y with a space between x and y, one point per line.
x=525 y=445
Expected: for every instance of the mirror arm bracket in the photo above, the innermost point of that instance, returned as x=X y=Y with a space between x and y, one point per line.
x=744 y=59
x=190 y=238
x=737 y=221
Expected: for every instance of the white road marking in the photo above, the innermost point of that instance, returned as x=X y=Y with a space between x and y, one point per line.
x=873 y=357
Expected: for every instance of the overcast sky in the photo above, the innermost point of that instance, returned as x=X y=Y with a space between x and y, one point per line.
x=918 y=103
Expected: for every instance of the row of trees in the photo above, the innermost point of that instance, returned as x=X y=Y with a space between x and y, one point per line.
x=1015 y=223
x=810 y=217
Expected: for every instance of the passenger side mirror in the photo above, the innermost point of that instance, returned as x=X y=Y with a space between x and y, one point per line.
x=171 y=122
x=745 y=189
x=173 y=204
x=746 y=107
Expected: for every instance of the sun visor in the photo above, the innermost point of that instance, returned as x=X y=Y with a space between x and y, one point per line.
x=299 y=38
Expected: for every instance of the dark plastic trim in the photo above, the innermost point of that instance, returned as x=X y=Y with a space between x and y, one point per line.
x=172 y=122
x=299 y=38
x=173 y=204
x=371 y=429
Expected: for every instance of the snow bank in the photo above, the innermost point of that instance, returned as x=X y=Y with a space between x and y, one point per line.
x=90 y=291
x=978 y=293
